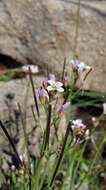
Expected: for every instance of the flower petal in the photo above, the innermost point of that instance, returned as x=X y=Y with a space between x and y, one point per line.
x=58 y=84
x=60 y=89
x=49 y=88
x=51 y=82
x=77 y=122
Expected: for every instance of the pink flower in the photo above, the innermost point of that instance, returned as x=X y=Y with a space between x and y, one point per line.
x=80 y=130
x=78 y=124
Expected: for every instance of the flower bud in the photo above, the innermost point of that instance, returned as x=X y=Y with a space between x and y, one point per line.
x=66 y=81
x=64 y=107
x=104 y=108
x=43 y=95
x=13 y=168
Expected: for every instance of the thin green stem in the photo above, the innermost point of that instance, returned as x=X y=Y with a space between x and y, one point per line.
x=25 y=136
x=77 y=166
x=63 y=72
x=61 y=155
x=34 y=116
x=47 y=132
x=92 y=163
x=30 y=183
x=34 y=93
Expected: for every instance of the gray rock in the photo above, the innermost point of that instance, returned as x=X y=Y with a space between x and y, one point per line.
x=42 y=32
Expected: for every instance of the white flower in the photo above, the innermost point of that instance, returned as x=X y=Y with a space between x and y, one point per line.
x=55 y=86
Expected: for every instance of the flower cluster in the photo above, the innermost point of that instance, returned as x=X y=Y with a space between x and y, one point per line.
x=79 y=67
x=80 y=130
x=34 y=69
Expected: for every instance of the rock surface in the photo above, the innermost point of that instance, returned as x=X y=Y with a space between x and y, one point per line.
x=22 y=93
x=43 y=32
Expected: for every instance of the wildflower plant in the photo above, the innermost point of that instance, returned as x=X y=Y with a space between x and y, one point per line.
x=61 y=157
x=61 y=162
